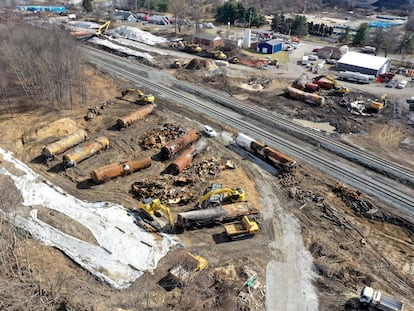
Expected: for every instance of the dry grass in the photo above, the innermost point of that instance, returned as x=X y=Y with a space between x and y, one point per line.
x=386 y=135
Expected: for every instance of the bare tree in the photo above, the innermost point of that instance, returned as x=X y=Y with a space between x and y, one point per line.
x=46 y=63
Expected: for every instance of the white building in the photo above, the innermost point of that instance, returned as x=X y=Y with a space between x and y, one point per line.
x=363 y=63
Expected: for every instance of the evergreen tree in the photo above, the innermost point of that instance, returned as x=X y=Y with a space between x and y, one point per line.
x=361 y=36
x=346 y=35
x=87 y=5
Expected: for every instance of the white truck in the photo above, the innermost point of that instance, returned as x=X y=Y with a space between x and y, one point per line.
x=379 y=301
x=355 y=76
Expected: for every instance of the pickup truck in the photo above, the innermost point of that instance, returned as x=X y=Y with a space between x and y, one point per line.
x=241 y=229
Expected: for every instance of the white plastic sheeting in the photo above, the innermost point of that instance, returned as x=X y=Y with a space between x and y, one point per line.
x=120 y=48
x=137 y=35
x=124 y=251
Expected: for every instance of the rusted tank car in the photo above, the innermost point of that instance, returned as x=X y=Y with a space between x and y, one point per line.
x=311 y=98
x=276 y=158
x=186 y=157
x=105 y=173
x=176 y=145
x=85 y=151
x=209 y=216
x=64 y=144
x=134 y=116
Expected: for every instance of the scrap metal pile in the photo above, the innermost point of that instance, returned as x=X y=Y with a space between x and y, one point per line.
x=177 y=190
x=159 y=136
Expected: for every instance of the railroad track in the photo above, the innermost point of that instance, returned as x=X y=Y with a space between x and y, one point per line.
x=378 y=186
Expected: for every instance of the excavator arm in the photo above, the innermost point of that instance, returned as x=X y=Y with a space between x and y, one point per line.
x=152 y=206
x=149 y=98
x=103 y=28
x=236 y=194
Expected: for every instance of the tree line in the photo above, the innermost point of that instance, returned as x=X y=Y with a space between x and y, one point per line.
x=386 y=40
x=46 y=65
x=231 y=11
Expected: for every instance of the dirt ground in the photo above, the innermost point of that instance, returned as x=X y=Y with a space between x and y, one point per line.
x=349 y=248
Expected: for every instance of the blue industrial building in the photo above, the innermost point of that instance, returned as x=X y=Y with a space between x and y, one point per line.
x=270 y=47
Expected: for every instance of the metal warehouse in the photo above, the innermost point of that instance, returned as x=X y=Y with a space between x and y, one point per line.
x=270 y=47
x=363 y=63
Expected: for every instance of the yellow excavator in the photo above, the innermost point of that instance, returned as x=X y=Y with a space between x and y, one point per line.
x=214 y=195
x=103 y=29
x=153 y=207
x=147 y=98
x=379 y=104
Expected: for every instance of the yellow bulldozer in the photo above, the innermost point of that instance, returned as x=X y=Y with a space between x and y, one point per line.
x=216 y=54
x=146 y=98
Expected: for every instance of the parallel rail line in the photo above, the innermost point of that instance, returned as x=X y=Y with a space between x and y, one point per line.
x=377 y=187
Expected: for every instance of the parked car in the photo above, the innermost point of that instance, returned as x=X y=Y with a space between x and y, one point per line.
x=390 y=84
x=209 y=131
x=410 y=100
x=331 y=61
x=402 y=84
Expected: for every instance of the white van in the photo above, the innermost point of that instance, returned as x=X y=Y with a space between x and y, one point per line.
x=305 y=60
x=402 y=84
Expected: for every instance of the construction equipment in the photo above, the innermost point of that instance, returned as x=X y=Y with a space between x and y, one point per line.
x=192 y=48
x=183 y=272
x=216 y=54
x=241 y=229
x=153 y=207
x=147 y=98
x=328 y=83
x=379 y=104
x=103 y=29
x=302 y=84
x=380 y=301
x=214 y=196
x=175 y=64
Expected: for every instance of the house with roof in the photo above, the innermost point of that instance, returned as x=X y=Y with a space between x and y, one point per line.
x=207 y=40
x=270 y=47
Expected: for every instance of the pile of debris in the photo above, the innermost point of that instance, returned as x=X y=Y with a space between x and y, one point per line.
x=197 y=64
x=165 y=188
x=179 y=190
x=159 y=136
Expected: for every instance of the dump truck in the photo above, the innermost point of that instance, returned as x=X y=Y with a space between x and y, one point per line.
x=241 y=229
x=183 y=272
x=379 y=301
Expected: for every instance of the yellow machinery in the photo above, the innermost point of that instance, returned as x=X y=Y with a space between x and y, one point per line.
x=217 y=54
x=379 y=104
x=214 y=195
x=243 y=228
x=153 y=207
x=336 y=87
x=147 y=98
x=183 y=272
x=103 y=28
x=192 y=47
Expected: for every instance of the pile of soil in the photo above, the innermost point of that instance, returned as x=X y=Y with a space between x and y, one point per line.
x=197 y=64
